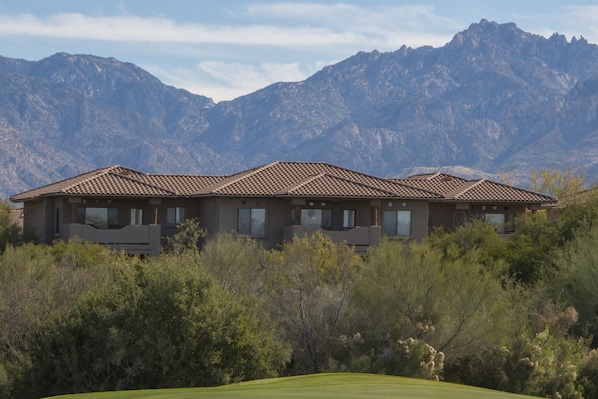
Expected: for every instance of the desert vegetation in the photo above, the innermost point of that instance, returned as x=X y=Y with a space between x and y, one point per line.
x=516 y=313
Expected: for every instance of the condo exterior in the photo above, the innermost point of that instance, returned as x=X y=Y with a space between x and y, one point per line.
x=134 y=211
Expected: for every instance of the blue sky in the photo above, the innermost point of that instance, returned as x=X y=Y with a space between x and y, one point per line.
x=225 y=49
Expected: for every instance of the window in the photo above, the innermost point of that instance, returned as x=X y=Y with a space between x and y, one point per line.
x=397 y=223
x=502 y=223
x=349 y=217
x=136 y=216
x=175 y=215
x=317 y=218
x=101 y=218
x=251 y=221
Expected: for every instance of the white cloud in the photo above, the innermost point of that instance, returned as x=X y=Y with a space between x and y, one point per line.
x=266 y=42
x=226 y=81
x=312 y=25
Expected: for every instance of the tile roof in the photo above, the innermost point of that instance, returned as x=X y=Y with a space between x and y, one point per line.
x=313 y=179
x=455 y=188
x=283 y=179
x=121 y=181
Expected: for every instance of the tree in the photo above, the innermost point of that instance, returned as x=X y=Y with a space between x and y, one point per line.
x=235 y=262
x=558 y=183
x=10 y=232
x=308 y=285
x=37 y=284
x=189 y=237
x=579 y=279
x=160 y=323
x=530 y=249
x=456 y=304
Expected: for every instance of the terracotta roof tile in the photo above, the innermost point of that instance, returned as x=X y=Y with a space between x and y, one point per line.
x=489 y=191
x=121 y=181
x=274 y=178
x=455 y=188
x=182 y=184
x=284 y=179
x=438 y=182
x=325 y=185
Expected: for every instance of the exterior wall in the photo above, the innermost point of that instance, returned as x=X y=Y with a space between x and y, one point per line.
x=36 y=220
x=53 y=218
x=419 y=216
x=280 y=226
x=224 y=213
x=443 y=214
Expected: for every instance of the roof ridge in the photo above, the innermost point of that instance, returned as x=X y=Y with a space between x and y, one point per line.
x=404 y=184
x=468 y=185
x=311 y=178
x=93 y=175
x=522 y=189
x=306 y=180
x=128 y=177
x=244 y=174
x=433 y=175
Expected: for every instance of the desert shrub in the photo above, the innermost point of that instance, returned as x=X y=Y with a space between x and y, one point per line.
x=160 y=323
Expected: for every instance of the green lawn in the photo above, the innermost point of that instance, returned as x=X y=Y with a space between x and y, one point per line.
x=319 y=386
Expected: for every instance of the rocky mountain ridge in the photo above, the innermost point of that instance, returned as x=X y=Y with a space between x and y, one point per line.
x=495 y=98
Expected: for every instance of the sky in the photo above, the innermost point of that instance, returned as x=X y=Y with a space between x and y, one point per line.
x=225 y=49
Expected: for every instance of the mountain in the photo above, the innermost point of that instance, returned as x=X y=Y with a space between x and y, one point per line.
x=495 y=98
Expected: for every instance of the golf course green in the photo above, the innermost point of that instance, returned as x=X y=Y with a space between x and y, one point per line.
x=317 y=386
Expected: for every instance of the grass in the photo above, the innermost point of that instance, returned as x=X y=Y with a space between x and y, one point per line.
x=318 y=386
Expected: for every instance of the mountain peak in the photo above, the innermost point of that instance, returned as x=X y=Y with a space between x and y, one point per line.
x=494 y=98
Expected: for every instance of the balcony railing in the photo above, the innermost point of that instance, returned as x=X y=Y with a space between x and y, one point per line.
x=359 y=237
x=131 y=239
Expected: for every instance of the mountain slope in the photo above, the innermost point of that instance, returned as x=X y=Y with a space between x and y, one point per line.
x=494 y=98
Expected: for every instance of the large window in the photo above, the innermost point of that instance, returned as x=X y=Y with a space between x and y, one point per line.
x=251 y=221
x=317 y=218
x=136 y=216
x=349 y=217
x=175 y=215
x=397 y=223
x=502 y=223
x=101 y=218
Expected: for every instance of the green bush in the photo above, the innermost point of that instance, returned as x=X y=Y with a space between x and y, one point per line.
x=160 y=323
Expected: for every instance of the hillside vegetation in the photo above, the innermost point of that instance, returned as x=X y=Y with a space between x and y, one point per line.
x=515 y=314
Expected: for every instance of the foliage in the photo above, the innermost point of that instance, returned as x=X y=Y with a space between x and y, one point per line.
x=159 y=324
x=558 y=183
x=10 y=232
x=78 y=317
x=475 y=235
x=234 y=261
x=529 y=250
x=411 y=358
x=546 y=365
x=36 y=286
x=576 y=218
x=188 y=238
x=308 y=284
x=412 y=291
x=577 y=283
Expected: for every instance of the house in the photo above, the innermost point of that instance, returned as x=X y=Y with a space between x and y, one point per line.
x=134 y=211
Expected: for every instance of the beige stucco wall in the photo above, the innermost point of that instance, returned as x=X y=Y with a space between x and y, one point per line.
x=278 y=214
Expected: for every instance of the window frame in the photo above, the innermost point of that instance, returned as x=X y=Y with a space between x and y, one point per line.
x=136 y=217
x=179 y=216
x=110 y=221
x=395 y=223
x=323 y=216
x=349 y=219
x=252 y=224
